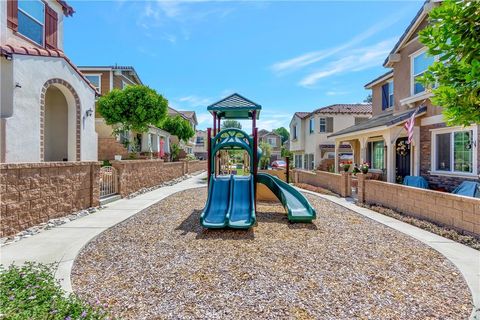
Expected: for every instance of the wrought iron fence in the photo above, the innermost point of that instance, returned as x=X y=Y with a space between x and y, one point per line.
x=108 y=181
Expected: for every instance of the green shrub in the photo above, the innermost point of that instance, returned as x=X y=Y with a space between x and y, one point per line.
x=31 y=292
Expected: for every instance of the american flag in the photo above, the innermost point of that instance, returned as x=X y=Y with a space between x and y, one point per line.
x=409 y=125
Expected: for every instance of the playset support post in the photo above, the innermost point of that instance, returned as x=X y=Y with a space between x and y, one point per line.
x=287 y=161
x=209 y=161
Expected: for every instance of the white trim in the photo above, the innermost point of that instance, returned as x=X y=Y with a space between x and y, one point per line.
x=111 y=80
x=453 y=174
x=417 y=97
x=355 y=134
x=35 y=20
x=382 y=79
x=433 y=145
x=412 y=75
x=432 y=120
x=126 y=78
x=99 y=75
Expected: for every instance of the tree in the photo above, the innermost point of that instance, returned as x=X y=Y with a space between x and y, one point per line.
x=133 y=108
x=368 y=99
x=266 y=153
x=177 y=126
x=283 y=132
x=231 y=124
x=453 y=35
x=284 y=152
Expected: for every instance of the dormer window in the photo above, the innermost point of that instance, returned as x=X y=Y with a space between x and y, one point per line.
x=31 y=20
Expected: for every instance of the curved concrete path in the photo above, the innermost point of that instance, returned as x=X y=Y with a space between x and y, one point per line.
x=466 y=259
x=62 y=244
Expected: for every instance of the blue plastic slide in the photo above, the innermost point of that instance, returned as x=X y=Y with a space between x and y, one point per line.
x=230 y=203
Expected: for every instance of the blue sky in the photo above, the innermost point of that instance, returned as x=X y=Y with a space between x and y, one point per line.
x=287 y=55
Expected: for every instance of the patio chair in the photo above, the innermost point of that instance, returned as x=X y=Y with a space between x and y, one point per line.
x=468 y=189
x=416 y=181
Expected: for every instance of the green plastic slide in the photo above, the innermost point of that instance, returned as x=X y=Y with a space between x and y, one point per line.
x=297 y=206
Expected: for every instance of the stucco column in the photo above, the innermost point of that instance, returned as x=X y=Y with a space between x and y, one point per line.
x=416 y=151
x=390 y=156
x=363 y=150
x=337 y=148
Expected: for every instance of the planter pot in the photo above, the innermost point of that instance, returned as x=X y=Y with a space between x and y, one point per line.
x=365 y=171
x=118 y=157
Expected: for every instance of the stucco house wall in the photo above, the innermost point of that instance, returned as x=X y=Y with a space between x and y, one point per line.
x=22 y=130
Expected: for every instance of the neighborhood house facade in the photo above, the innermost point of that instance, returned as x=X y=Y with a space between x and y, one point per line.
x=274 y=140
x=186 y=146
x=154 y=142
x=309 y=133
x=47 y=105
x=444 y=156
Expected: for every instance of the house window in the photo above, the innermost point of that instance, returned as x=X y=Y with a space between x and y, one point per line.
x=359 y=120
x=454 y=151
x=420 y=64
x=376 y=154
x=312 y=125
x=298 y=161
x=387 y=95
x=295 y=132
x=124 y=84
x=308 y=161
x=323 y=125
x=199 y=140
x=31 y=20
x=272 y=142
x=95 y=80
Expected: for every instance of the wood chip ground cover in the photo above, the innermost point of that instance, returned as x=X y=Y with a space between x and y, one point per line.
x=161 y=264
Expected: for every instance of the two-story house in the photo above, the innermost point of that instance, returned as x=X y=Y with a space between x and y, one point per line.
x=155 y=141
x=274 y=140
x=191 y=117
x=309 y=133
x=443 y=155
x=47 y=105
x=200 y=148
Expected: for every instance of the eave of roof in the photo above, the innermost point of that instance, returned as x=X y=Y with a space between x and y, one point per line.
x=384 y=120
x=111 y=68
x=342 y=108
x=235 y=106
x=8 y=50
x=408 y=31
x=67 y=9
x=383 y=77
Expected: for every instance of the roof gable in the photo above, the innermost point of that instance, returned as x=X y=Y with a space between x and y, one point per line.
x=235 y=106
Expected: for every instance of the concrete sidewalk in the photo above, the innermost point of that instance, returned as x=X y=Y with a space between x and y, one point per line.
x=62 y=244
x=466 y=259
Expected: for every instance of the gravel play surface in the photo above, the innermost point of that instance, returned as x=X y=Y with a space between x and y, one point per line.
x=162 y=264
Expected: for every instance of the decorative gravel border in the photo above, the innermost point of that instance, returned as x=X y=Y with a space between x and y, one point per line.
x=161 y=264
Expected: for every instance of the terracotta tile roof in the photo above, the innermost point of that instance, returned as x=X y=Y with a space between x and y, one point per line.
x=8 y=50
x=346 y=108
x=302 y=115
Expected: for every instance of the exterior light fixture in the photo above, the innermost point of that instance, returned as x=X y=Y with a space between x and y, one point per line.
x=89 y=112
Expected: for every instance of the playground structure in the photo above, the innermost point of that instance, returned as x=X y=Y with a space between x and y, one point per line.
x=231 y=198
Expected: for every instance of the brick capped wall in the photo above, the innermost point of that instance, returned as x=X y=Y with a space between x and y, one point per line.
x=137 y=174
x=458 y=212
x=196 y=166
x=436 y=182
x=32 y=193
x=338 y=183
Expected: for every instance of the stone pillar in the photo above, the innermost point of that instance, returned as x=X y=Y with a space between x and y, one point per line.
x=361 y=187
x=95 y=184
x=345 y=184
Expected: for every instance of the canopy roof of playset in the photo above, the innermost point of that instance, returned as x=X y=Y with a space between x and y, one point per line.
x=235 y=106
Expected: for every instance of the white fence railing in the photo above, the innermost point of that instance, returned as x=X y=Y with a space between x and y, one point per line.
x=108 y=181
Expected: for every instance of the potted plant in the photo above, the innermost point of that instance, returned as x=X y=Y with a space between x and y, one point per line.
x=355 y=170
x=345 y=166
x=364 y=167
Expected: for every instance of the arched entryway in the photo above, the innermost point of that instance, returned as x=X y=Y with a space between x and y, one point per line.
x=60 y=122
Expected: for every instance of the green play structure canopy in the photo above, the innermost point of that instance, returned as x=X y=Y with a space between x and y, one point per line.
x=235 y=107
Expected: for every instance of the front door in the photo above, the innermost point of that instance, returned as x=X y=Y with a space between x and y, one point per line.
x=402 y=159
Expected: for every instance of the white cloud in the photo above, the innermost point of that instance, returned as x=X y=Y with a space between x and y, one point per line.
x=316 y=56
x=357 y=60
x=336 y=93
x=195 y=101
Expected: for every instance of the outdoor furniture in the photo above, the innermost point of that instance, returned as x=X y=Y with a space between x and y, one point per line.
x=468 y=189
x=415 y=181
